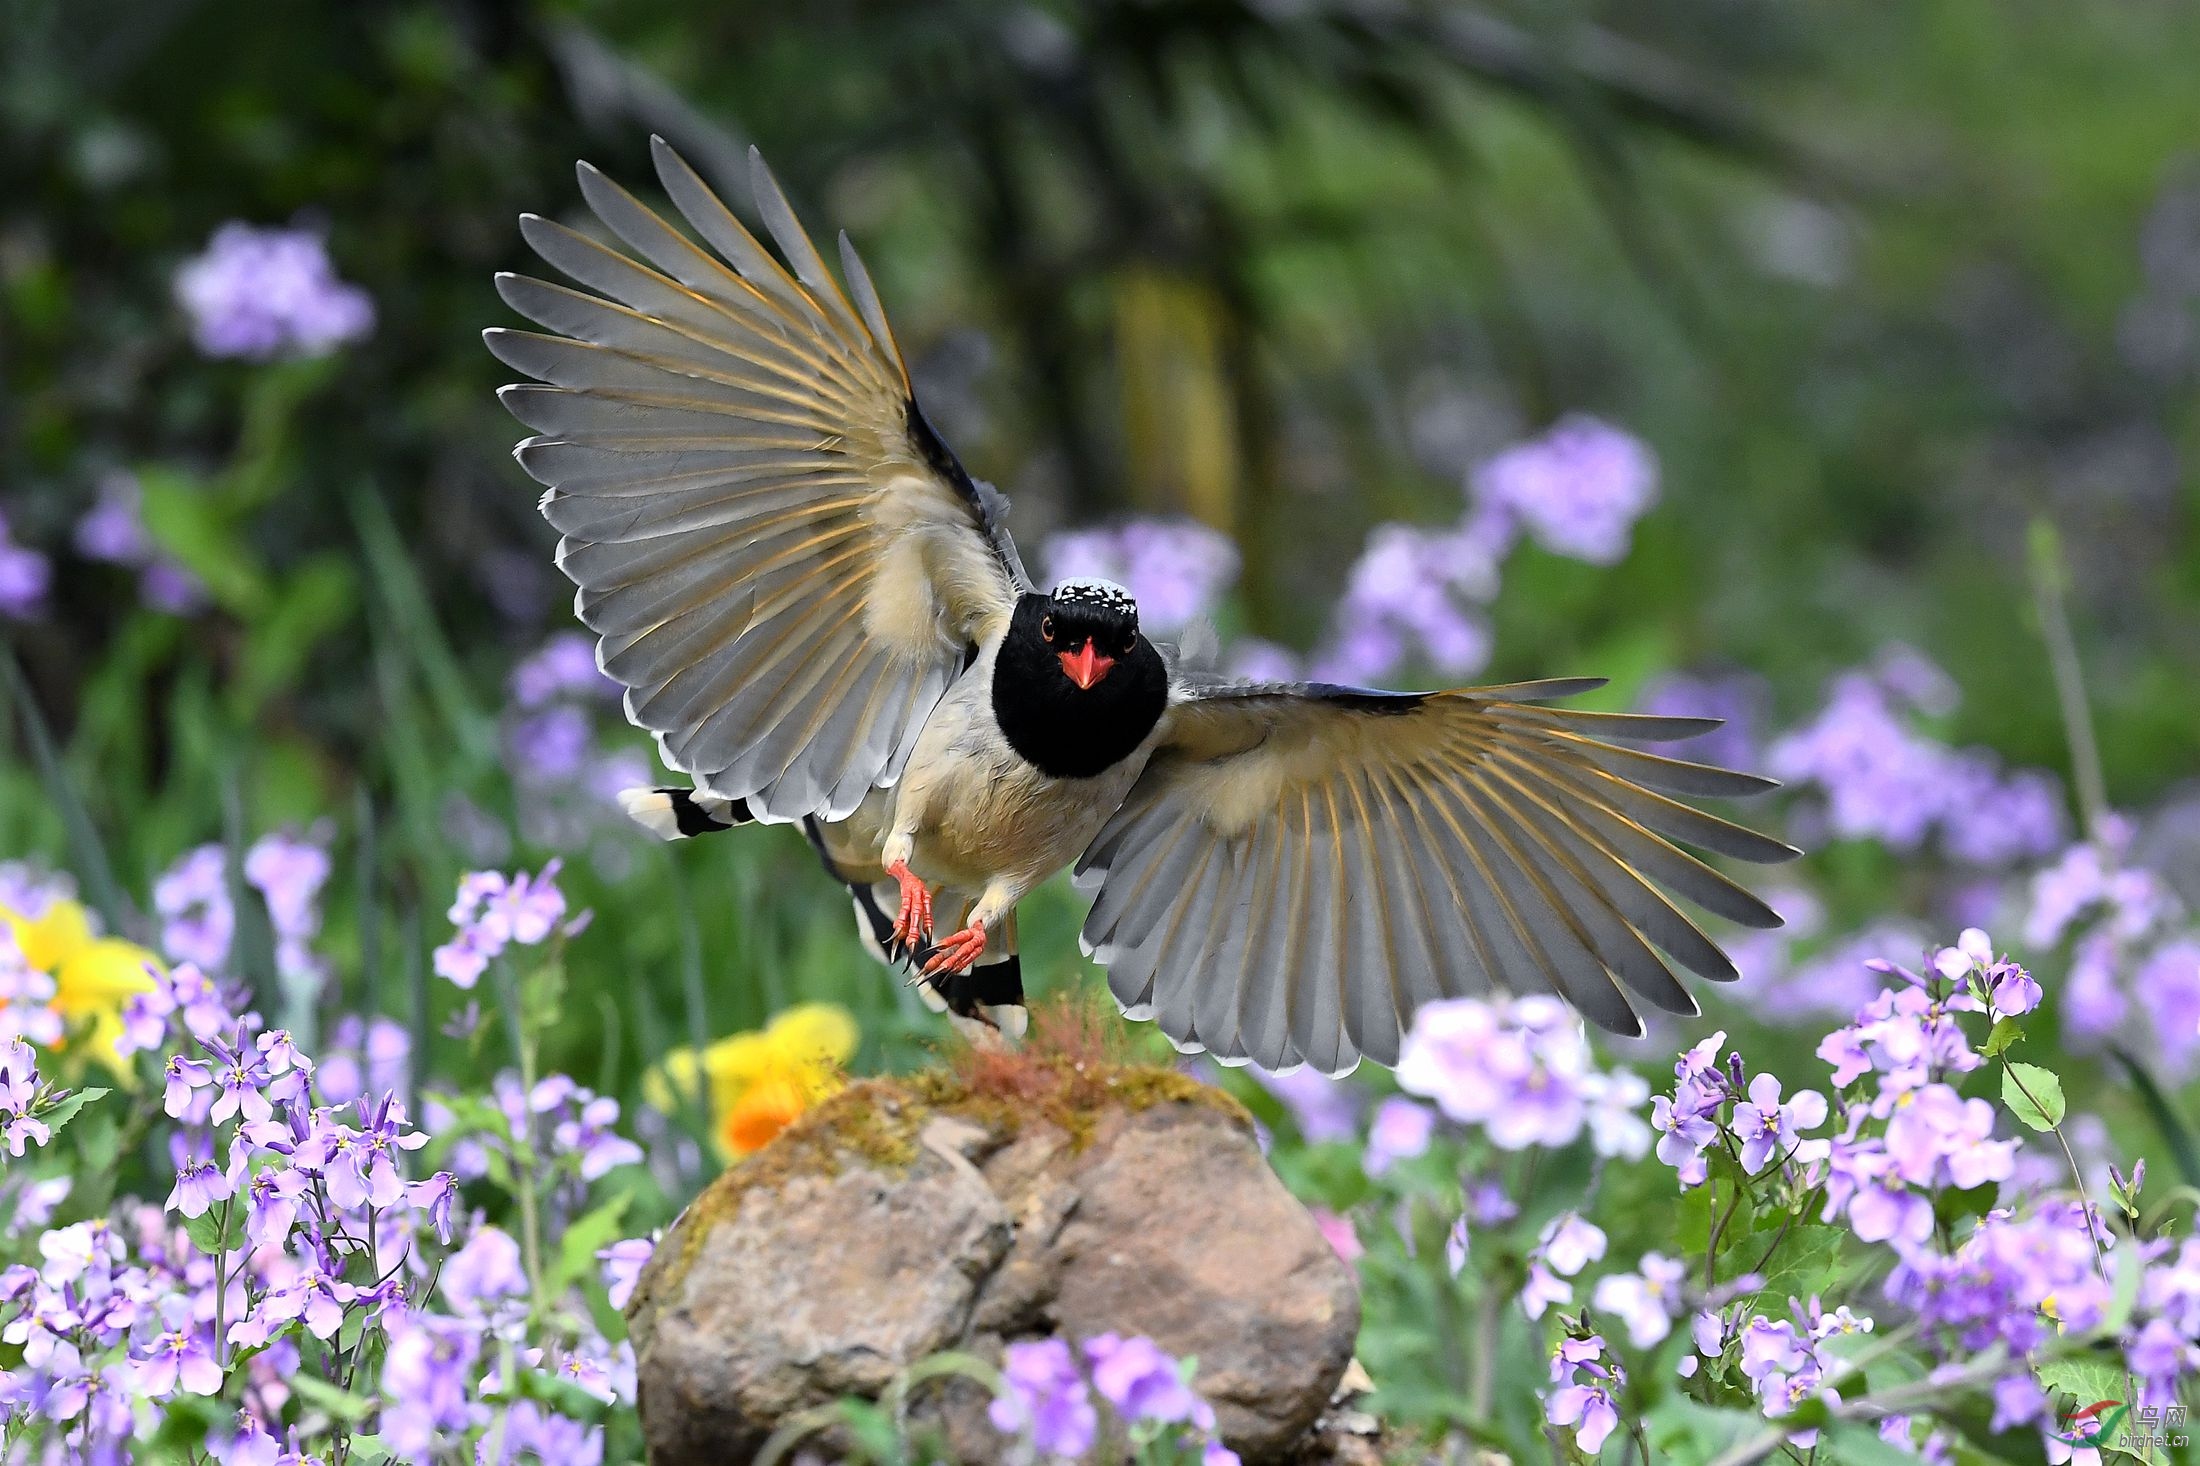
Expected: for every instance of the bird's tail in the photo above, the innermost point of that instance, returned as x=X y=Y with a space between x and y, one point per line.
x=682 y=814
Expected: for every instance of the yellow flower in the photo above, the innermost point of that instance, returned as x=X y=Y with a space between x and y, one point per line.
x=759 y=1083
x=93 y=976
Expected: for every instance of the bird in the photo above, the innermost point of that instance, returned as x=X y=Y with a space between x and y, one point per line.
x=822 y=619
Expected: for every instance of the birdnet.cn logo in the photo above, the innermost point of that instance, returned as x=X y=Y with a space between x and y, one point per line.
x=2087 y=1425
x=2156 y=1427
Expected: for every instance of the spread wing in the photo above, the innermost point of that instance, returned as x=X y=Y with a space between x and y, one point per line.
x=1300 y=868
x=783 y=563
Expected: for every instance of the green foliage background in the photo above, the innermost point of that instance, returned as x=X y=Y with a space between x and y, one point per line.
x=1883 y=286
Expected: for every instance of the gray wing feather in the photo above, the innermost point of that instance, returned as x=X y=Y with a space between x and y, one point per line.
x=783 y=564
x=1300 y=868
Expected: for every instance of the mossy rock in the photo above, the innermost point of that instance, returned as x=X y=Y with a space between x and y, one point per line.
x=1003 y=1196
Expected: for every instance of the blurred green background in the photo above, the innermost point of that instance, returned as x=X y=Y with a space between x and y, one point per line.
x=1882 y=286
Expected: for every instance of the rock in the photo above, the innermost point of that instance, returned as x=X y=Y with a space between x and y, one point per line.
x=1016 y=1197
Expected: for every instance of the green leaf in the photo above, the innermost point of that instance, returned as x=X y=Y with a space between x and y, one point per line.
x=67 y=1107
x=99 y=1141
x=1685 y=1430
x=341 y=1403
x=192 y=525
x=1952 y=1206
x=2034 y=1095
x=2006 y=1032
x=1855 y=1444
x=316 y=599
x=561 y=1395
x=2085 y=1378
x=583 y=1240
x=1807 y=1261
x=206 y=1232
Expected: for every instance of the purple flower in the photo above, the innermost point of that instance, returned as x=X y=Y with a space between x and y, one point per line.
x=1881 y=781
x=1938 y=1138
x=179 y=1355
x=26 y=996
x=273 y=1196
x=1176 y=569
x=261 y=293
x=622 y=1267
x=565 y=665
x=1402 y=602
x=1767 y=1127
x=1687 y=1123
x=1322 y=1108
x=491 y=912
x=2170 y=977
x=1645 y=1301
x=1566 y=1245
x=1579 y=488
x=1569 y=1243
x=1586 y=1398
x=486 y=1269
x=113 y=530
x=289 y=873
x=1992 y=819
x=1044 y=1399
x=192 y=897
x=199 y=1184
x=1142 y=1382
x=425 y=1377
x=1401 y=1129
x=1518 y=1071
x=25 y=577
x=552 y=746
x=588 y=1136
x=1616 y=1126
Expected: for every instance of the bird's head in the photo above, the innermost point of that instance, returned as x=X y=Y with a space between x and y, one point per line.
x=1087 y=627
x=1075 y=687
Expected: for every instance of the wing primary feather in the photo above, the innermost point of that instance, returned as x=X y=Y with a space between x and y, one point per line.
x=867 y=301
x=1461 y=963
x=1667 y=775
x=1566 y=955
x=1601 y=926
x=1376 y=1009
x=1630 y=727
x=1640 y=848
x=809 y=266
x=700 y=205
x=1549 y=689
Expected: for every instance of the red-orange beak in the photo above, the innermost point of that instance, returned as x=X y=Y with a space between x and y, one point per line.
x=1086 y=665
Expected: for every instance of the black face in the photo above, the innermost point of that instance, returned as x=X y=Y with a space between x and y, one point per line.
x=1076 y=687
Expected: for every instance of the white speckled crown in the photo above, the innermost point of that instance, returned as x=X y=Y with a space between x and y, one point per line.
x=1091 y=590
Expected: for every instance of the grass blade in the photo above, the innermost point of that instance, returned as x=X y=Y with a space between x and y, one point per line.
x=87 y=852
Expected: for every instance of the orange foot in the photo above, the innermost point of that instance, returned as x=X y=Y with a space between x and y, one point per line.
x=913 y=923
x=957 y=952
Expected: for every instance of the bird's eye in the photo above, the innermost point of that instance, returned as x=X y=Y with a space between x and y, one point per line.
x=1046 y=628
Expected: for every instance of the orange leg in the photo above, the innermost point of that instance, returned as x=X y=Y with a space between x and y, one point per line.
x=957 y=951
x=913 y=924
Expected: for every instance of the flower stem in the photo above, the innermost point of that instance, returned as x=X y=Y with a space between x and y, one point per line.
x=523 y=1175
x=2049 y=576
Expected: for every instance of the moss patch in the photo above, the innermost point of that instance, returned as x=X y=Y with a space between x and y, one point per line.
x=874 y=1125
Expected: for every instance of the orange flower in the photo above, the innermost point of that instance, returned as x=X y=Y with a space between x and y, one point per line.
x=759 y=1083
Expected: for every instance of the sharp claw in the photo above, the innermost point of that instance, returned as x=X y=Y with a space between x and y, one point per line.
x=913 y=923
x=958 y=952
